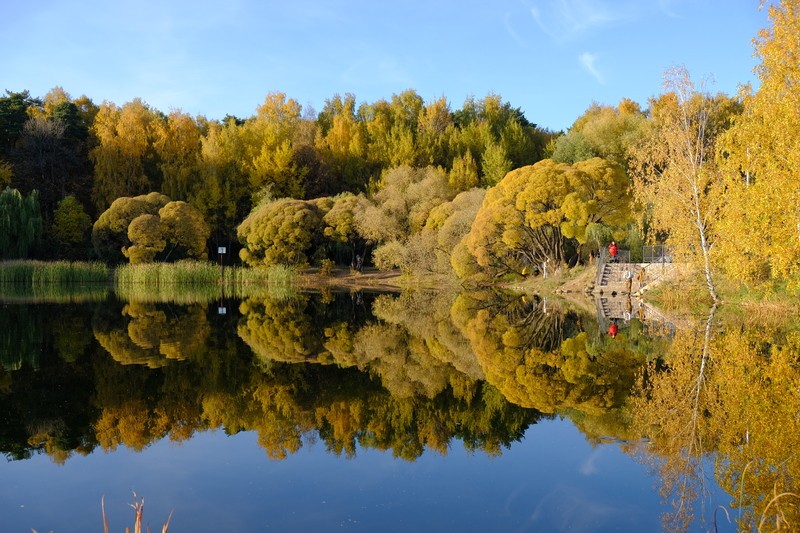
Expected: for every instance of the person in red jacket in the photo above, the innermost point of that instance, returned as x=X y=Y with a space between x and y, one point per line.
x=613 y=330
x=612 y=250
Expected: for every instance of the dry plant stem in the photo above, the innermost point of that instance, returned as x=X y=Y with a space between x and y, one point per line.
x=103 y=508
x=780 y=518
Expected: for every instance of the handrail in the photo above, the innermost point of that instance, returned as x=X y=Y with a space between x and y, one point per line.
x=601 y=264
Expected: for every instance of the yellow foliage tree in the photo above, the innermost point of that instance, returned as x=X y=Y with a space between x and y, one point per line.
x=675 y=175
x=177 y=143
x=125 y=139
x=761 y=155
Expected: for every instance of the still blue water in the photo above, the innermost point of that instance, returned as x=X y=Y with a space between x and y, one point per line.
x=552 y=480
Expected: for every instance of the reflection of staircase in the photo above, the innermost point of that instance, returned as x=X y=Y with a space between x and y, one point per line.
x=616 y=307
x=621 y=309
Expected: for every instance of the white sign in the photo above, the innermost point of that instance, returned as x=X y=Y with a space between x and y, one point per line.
x=221 y=250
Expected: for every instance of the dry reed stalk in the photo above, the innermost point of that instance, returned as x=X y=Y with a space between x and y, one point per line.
x=103 y=508
x=138 y=508
x=779 y=515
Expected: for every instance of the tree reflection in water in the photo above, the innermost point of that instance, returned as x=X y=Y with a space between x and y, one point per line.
x=731 y=394
x=409 y=373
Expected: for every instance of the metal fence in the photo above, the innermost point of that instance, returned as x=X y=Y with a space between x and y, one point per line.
x=657 y=253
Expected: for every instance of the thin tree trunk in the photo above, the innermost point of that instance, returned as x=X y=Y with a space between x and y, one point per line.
x=704 y=246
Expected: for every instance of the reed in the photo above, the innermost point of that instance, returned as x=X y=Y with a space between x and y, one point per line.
x=40 y=273
x=179 y=294
x=164 y=274
x=277 y=282
x=138 y=509
x=54 y=293
x=199 y=282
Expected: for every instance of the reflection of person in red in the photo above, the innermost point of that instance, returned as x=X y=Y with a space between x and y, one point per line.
x=612 y=250
x=612 y=329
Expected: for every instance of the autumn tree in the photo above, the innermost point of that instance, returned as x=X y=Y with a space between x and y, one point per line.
x=177 y=144
x=342 y=143
x=146 y=239
x=401 y=205
x=392 y=128
x=464 y=173
x=600 y=198
x=495 y=164
x=224 y=193
x=535 y=216
x=676 y=177
x=184 y=230
x=428 y=251
x=493 y=126
x=602 y=131
x=270 y=152
x=434 y=127
x=399 y=209
x=283 y=231
x=177 y=232
x=110 y=231
x=340 y=225
x=124 y=158
x=760 y=155
x=518 y=224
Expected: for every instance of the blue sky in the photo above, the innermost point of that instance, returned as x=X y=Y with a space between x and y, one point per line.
x=551 y=58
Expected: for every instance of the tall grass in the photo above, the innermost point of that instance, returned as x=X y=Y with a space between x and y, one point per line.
x=55 y=293
x=38 y=273
x=59 y=281
x=199 y=282
x=182 y=282
x=166 y=274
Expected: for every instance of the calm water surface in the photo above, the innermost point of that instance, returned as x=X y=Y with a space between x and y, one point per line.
x=362 y=412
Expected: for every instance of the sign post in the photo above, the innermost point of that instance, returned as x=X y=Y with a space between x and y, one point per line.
x=221 y=250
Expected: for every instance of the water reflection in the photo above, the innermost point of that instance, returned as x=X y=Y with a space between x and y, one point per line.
x=411 y=373
x=731 y=393
x=150 y=334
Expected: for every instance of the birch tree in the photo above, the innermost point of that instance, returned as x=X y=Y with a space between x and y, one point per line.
x=674 y=170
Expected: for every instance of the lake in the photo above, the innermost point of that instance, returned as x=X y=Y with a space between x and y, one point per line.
x=413 y=411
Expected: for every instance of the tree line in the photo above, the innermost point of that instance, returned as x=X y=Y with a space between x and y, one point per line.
x=479 y=192
x=64 y=147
